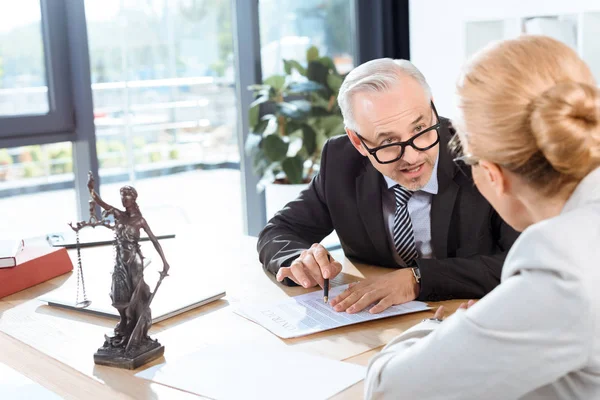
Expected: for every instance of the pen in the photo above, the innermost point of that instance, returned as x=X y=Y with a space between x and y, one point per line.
x=326 y=285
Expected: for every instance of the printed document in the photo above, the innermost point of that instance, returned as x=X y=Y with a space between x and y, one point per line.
x=307 y=314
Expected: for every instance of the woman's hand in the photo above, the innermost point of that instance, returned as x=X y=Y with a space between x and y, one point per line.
x=467 y=305
x=439 y=313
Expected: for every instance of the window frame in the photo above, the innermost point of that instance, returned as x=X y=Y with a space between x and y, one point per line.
x=59 y=123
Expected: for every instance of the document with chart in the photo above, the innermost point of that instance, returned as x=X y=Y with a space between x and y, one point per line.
x=306 y=314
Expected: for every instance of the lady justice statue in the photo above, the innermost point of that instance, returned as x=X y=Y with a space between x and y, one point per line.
x=130 y=346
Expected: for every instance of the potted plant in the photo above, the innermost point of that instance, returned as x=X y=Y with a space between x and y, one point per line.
x=290 y=119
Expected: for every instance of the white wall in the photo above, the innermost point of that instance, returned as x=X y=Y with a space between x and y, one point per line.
x=437 y=34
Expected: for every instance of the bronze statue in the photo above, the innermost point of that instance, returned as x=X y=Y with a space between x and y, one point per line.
x=130 y=346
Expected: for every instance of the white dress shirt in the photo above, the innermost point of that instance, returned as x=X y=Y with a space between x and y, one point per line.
x=419 y=211
x=536 y=336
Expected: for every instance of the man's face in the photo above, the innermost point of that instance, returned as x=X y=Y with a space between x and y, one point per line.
x=396 y=116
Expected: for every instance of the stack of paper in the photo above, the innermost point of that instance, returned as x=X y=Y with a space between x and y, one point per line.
x=245 y=371
x=9 y=249
x=306 y=314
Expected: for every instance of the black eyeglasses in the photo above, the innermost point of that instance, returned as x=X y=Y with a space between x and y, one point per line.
x=422 y=141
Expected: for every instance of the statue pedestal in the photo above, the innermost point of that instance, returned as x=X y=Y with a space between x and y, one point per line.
x=118 y=357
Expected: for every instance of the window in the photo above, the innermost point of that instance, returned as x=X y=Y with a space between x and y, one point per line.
x=165 y=110
x=35 y=90
x=289 y=27
x=34 y=181
x=165 y=105
x=23 y=84
x=35 y=102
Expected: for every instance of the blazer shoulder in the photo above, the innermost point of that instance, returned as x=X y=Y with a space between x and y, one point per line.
x=340 y=143
x=342 y=154
x=564 y=244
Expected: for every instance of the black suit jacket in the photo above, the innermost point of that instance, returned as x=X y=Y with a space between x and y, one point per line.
x=469 y=239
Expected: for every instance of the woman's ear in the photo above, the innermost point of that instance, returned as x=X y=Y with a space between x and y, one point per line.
x=356 y=142
x=496 y=177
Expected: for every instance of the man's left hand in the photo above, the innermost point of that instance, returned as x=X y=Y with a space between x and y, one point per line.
x=387 y=290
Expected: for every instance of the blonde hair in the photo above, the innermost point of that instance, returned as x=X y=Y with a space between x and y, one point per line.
x=377 y=75
x=532 y=106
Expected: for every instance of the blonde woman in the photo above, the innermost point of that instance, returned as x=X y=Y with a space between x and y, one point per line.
x=530 y=130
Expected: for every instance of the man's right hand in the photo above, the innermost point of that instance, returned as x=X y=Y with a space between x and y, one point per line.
x=311 y=267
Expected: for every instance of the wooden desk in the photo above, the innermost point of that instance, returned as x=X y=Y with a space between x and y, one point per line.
x=55 y=347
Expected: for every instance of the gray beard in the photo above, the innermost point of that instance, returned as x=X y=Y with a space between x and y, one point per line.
x=416 y=185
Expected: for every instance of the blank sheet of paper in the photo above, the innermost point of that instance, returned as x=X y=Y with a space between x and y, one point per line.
x=245 y=371
x=306 y=314
x=16 y=386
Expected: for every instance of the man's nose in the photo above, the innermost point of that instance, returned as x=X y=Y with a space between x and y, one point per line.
x=411 y=155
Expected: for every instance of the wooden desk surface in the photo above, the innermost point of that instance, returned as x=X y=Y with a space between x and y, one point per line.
x=55 y=347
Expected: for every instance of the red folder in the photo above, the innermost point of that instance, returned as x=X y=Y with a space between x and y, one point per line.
x=35 y=264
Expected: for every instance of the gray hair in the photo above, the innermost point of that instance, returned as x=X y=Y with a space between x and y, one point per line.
x=375 y=76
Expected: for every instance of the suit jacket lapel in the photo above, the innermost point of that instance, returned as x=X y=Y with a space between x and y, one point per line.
x=442 y=203
x=368 y=195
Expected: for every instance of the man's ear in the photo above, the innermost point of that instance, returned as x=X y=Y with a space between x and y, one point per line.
x=496 y=177
x=356 y=142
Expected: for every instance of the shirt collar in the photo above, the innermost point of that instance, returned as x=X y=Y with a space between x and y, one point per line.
x=431 y=186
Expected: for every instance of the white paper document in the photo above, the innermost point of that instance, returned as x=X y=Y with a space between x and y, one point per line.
x=306 y=314
x=245 y=371
x=15 y=386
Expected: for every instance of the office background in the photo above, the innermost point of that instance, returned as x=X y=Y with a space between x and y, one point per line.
x=153 y=93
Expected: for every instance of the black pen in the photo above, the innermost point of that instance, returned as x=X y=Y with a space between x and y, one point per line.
x=326 y=285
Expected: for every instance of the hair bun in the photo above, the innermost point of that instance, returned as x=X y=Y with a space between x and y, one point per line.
x=565 y=121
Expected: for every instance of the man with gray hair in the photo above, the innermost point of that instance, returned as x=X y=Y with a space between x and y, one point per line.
x=392 y=193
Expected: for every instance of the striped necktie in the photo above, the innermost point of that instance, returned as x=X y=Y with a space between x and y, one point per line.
x=404 y=238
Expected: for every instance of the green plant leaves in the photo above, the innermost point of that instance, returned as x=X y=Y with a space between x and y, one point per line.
x=319 y=112
x=260 y=127
x=312 y=54
x=277 y=82
x=296 y=109
x=293 y=168
x=253 y=116
x=292 y=116
x=332 y=125
x=305 y=87
x=318 y=72
x=293 y=126
x=259 y=88
x=309 y=138
x=253 y=112
x=274 y=148
x=259 y=100
x=340 y=129
x=334 y=82
x=289 y=65
x=318 y=100
x=328 y=62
